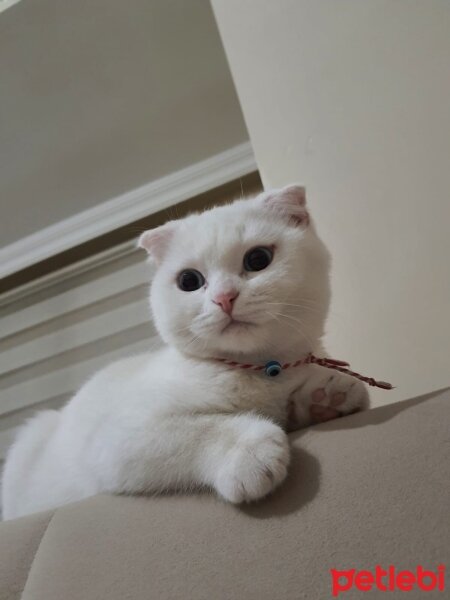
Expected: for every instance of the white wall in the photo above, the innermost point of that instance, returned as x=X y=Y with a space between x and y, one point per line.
x=352 y=98
x=99 y=98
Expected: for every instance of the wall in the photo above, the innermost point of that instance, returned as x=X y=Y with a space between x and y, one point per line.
x=98 y=98
x=352 y=98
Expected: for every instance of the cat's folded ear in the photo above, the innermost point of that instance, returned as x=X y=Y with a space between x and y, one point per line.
x=156 y=241
x=290 y=203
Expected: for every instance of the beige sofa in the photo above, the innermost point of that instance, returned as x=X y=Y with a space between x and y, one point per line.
x=369 y=489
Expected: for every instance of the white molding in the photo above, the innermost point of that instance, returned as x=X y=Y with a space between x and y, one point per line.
x=4 y=4
x=136 y=204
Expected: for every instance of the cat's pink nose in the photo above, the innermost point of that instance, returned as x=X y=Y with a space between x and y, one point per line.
x=225 y=300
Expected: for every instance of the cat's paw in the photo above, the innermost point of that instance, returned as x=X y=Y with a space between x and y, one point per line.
x=255 y=465
x=328 y=398
x=339 y=397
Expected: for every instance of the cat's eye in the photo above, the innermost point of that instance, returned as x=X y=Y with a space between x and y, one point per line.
x=258 y=259
x=190 y=280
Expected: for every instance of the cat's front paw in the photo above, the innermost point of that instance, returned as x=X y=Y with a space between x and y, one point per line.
x=255 y=465
x=342 y=398
x=328 y=398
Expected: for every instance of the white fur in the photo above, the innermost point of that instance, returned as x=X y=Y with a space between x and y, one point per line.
x=176 y=419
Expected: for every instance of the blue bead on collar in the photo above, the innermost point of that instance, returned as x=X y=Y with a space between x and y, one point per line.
x=272 y=368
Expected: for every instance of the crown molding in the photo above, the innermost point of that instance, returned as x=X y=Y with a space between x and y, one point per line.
x=127 y=208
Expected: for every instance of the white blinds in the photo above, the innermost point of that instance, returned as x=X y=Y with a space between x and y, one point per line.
x=58 y=331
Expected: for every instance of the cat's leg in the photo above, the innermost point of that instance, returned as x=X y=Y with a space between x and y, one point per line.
x=243 y=457
x=324 y=395
x=254 y=463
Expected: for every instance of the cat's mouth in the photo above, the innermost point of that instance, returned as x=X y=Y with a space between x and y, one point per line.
x=235 y=325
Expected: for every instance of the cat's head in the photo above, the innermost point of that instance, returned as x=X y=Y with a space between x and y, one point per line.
x=244 y=280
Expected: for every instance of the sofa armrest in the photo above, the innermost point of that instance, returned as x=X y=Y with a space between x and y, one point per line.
x=365 y=490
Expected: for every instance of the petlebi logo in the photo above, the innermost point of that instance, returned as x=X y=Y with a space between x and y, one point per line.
x=388 y=580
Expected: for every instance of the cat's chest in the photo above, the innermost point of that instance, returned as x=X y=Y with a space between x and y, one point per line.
x=213 y=387
x=246 y=391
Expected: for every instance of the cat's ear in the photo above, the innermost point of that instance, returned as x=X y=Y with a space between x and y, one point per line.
x=289 y=202
x=156 y=241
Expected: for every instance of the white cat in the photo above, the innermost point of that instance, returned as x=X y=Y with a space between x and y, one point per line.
x=247 y=282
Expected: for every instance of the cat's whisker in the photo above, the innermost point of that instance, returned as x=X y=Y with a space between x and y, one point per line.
x=301 y=332
x=312 y=308
x=187 y=328
x=300 y=306
x=287 y=304
x=194 y=339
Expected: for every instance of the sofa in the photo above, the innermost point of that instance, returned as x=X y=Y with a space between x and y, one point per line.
x=371 y=489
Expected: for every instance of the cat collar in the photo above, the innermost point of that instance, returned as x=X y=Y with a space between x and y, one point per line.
x=274 y=368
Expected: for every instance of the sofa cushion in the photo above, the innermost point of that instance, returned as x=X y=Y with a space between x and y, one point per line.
x=365 y=490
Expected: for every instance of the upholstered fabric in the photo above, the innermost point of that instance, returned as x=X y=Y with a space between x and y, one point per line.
x=372 y=488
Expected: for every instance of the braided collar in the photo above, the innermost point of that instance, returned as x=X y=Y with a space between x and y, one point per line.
x=273 y=368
